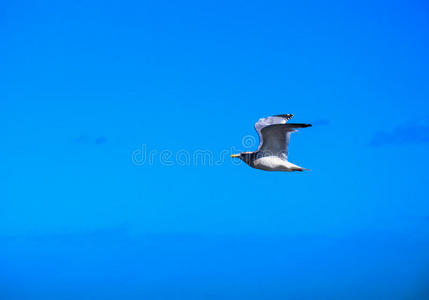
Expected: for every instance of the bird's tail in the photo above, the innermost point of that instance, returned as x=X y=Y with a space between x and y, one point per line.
x=299 y=169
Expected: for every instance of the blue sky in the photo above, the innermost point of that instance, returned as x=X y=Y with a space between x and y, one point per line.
x=84 y=85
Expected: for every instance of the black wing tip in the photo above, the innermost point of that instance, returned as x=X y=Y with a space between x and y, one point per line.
x=298 y=125
x=285 y=116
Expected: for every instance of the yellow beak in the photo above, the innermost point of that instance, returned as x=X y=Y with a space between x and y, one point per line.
x=235 y=155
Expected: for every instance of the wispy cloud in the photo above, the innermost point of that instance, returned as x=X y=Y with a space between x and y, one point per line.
x=101 y=140
x=88 y=140
x=403 y=135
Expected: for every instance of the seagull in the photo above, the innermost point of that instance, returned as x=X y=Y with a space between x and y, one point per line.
x=274 y=135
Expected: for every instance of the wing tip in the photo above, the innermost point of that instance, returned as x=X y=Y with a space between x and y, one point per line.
x=298 y=125
x=285 y=116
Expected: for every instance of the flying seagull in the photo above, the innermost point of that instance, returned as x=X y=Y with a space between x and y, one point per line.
x=274 y=135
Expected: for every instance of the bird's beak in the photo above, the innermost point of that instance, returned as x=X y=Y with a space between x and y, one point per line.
x=235 y=155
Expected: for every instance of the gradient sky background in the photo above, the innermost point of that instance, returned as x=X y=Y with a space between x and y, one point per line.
x=84 y=85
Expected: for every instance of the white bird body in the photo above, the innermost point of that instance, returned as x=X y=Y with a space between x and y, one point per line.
x=272 y=154
x=275 y=163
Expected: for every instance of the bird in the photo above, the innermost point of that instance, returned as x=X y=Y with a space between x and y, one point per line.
x=272 y=154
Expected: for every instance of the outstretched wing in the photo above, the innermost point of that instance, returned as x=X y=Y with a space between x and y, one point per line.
x=264 y=122
x=276 y=138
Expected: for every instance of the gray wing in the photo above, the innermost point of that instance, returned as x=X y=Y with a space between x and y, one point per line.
x=276 y=138
x=264 y=122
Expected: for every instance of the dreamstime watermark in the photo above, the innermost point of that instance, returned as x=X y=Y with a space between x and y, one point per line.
x=202 y=157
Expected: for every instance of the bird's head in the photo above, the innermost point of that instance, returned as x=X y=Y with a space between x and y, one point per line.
x=244 y=156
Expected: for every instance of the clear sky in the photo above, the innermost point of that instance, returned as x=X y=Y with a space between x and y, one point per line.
x=85 y=85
